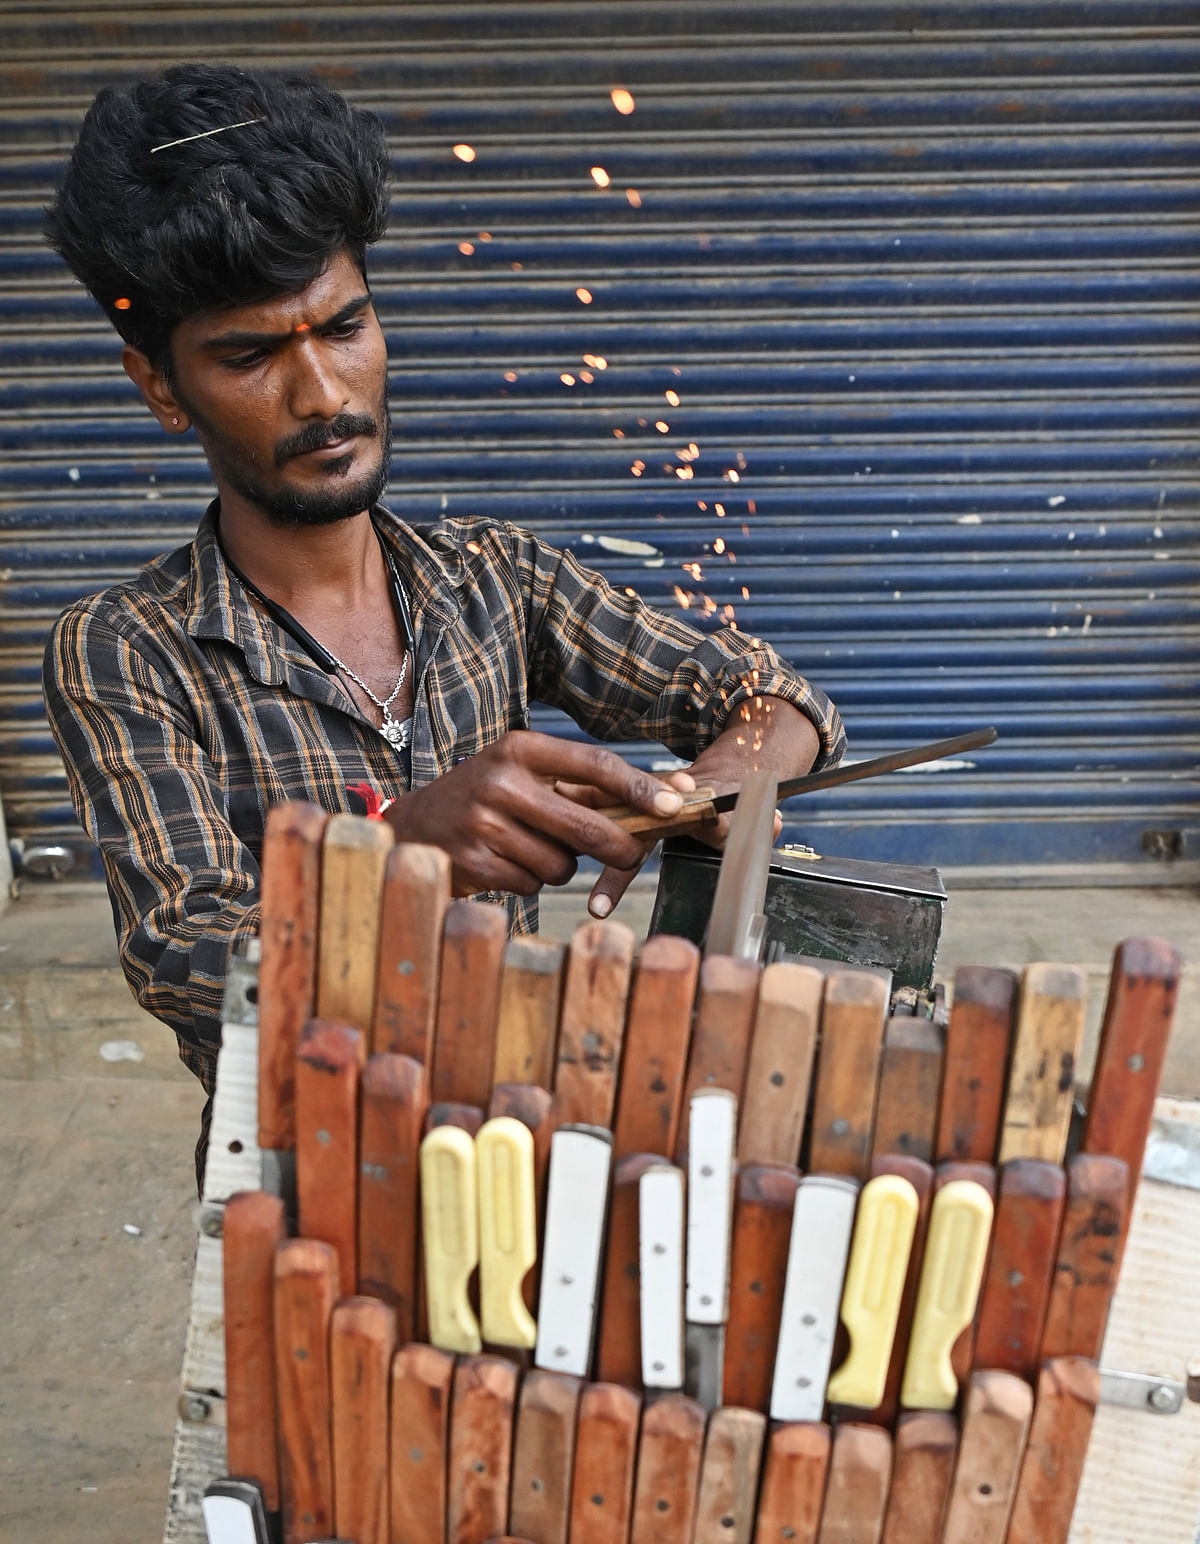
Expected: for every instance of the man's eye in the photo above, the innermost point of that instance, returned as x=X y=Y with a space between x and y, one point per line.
x=345 y=329
x=245 y=361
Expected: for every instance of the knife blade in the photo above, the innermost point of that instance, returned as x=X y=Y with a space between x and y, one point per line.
x=254 y=1227
x=416 y=896
x=729 y=1471
x=287 y=974
x=464 y=1041
x=1087 y=1263
x=1068 y=1392
x=531 y=982
x=703 y=804
x=783 y=1043
x=978 y=1040
x=712 y=1131
x=995 y=1423
x=822 y=1220
x=480 y=1455
x=354 y=856
x=721 y=1035
x=650 y=1092
x=394 y=1099
x=450 y=1236
x=306 y=1284
x=1041 y=1078
x=1016 y=1287
x=544 y=1456
x=960 y=1223
x=328 y=1068
x=661 y=1268
x=737 y=922
x=793 y=1487
x=860 y=1466
x=875 y=1275
x=605 y=1462
x=924 y=1449
x=853 y=1016
x=422 y=1378
x=619 y=1337
x=362 y=1337
x=762 y=1226
x=670 y=1448
x=576 y=1204
x=592 y=1025
x=507 y=1231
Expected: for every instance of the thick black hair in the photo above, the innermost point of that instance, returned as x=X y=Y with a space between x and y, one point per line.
x=158 y=235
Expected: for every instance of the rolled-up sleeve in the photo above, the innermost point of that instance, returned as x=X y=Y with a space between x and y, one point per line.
x=624 y=670
x=184 y=888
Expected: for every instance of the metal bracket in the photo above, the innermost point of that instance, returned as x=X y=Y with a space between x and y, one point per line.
x=1141 y=1391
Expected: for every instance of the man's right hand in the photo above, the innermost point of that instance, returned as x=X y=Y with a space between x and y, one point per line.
x=506 y=826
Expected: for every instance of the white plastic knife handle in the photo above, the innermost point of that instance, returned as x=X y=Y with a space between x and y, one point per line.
x=507 y=1230
x=233 y=1513
x=712 y=1132
x=450 y=1218
x=660 y=1269
x=576 y=1200
x=821 y=1226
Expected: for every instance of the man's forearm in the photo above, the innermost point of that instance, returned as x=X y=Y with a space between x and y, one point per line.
x=764 y=734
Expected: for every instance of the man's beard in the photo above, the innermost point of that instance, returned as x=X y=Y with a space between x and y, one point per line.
x=319 y=506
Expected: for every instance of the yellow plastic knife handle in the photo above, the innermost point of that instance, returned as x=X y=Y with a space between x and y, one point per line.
x=507 y=1230
x=450 y=1218
x=875 y=1276
x=960 y=1225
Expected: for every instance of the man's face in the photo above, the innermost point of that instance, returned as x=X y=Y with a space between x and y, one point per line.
x=289 y=398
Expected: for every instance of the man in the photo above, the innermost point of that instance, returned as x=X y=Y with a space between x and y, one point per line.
x=309 y=640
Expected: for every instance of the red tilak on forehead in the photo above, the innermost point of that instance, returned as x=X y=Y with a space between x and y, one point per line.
x=302 y=327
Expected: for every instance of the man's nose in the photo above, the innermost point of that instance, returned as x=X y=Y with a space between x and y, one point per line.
x=317 y=390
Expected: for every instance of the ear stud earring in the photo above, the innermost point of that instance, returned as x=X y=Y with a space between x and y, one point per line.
x=175 y=421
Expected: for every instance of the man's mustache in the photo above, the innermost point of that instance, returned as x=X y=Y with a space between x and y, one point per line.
x=316 y=436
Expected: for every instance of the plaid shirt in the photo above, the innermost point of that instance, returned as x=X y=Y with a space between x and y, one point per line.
x=183 y=714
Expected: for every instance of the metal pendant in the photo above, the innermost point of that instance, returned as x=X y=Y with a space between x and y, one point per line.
x=395 y=732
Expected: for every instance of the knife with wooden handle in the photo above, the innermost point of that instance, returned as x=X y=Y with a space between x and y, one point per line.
x=765 y=1199
x=287 y=974
x=995 y=1424
x=1140 y=1007
x=362 y=1337
x=254 y=1226
x=507 y=1231
x=531 y=982
x=1087 y=1263
x=703 y=804
x=721 y=1034
x=822 y=1221
x=576 y=1204
x=394 y=1098
x=480 y=1456
x=779 y=1068
x=619 y=1336
x=328 y=1067
x=729 y=1471
x=419 y=1438
x=534 y=1108
x=353 y=859
x=712 y=1131
x=843 y=1116
x=860 y=1467
x=661 y=1268
x=1068 y=1392
x=650 y=1094
x=924 y=1450
x=464 y=1042
x=670 y=1449
x=544 y=1456
x=960 y=1222
x=466 y=1117
x=592 y=1024
x=450 y=1236
x=875 y=1275
x=1041 y=1078
x=606 y=1444
x=306 y=1284
x=910 y=1081
x=919 y=1175
x=793 y=1487
x=416 y=896
x=978 y=1039
x=1016 y=1288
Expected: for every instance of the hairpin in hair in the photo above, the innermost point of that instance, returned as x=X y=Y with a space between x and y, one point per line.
x=206 y=134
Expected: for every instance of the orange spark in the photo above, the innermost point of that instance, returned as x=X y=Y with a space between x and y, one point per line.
x=745 y=592
x=587 y=377
x=567 y=379
x=720 y=509
x=719 y=544
x=510 y=375
x=684 y=473
x=464 y=152
x=622 y=100
x=630 y=591
x=584 y=296
x=638 y=468
x=661 y=426
x=682 y=596
x=466 y=248
x=732 y=476
x=485 y=235
x=751 y=507
x=672 y=397
x=618 y=434
x=700 y=504
x=123 y=304
x=600 y=177
x=473 y=546
x=634 y=197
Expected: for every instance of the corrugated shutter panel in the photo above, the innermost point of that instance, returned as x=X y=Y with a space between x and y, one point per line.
x=922 y=279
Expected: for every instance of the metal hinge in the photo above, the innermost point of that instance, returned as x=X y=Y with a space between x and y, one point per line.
x=1142 y=1391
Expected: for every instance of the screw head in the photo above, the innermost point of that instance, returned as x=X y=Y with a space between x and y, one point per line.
x=212 y=1222
x=1160 y=1398
x=194 y=1407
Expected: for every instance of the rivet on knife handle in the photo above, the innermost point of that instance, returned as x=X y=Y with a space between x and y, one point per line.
x=449 y=1210
x=879 y=1253
x=507 y=1230
x=959 y=1228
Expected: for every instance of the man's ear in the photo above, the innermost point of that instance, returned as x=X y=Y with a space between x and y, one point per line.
x=156 y=393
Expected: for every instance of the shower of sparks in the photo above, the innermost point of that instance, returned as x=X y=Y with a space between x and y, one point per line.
x=634 y=197
x=683 y=597
x=465 y=152
x=466 y=248
x=672 y=397
x=600 y=177
x=622 y=100
x=584 y=296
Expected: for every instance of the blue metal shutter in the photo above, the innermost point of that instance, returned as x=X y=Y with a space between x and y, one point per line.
x=921 y=277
